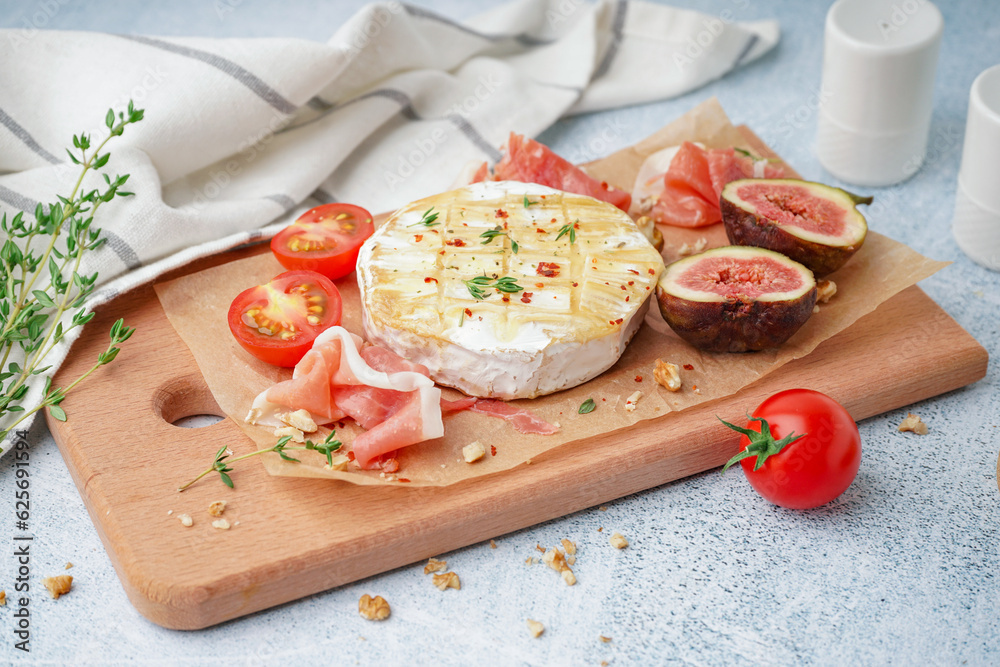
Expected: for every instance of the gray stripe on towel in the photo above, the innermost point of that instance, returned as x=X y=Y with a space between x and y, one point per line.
x=26 y=137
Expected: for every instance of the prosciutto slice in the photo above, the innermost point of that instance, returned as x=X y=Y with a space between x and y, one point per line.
x=391 y=397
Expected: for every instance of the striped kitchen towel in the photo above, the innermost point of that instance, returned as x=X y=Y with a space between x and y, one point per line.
x=241 y=135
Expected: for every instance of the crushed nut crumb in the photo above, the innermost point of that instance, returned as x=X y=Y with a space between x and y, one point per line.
x=693 y=248
x=606 y=640
x=3 y=598
x=169 y=512
x=446 y=581
x=185 y=520
x=570 y=560
x=825 y=290
x=221 y=524
x=295 y=434
x=556 y=559
x=58 y=585
x=632 y=401
x=493 y=545
x=253 y=415
x=646 y=204
x=668 y=375
x=435 y=565
x=217 y=508
x=815 y=309
x=568 y=547
x=374 y=609
x=603 y=508
x=473 y=451
x=913 y=423
x=535 y=628
x=600 y=529
x=68 y=565
x=338 y=462
x=300 y=419
x=618 y=541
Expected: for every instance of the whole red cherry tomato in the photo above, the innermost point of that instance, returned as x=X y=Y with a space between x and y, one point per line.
x=277 y=322
x=801 y=449
x=325 y=239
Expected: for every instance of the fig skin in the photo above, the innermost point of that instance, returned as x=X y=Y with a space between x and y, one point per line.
x=735 y=325
x=748 y=229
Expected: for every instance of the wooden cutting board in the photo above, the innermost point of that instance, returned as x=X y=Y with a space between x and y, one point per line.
x=296 y=536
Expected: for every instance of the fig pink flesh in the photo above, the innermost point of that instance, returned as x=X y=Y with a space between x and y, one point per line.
x=741 y=278
x=794 y=206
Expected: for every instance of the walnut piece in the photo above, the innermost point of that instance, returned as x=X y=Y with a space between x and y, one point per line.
x=493 y=545
x=3 y=598
x=568 y=547
x=606 y=640
x=337 y=462
x=535 y=628
x=435 y=565
x=300 y=419
x=556 y=559
x=374 y=609
x=185 y=520
x=473 y=451
x=913 y=423
x=68 y=565
x=58 y=585
x=632 y=401
x=217 y=508
x=668 y=375
x=447 y=580
x=618 y=541
x=295 y=434
x=221 y=524
x=825 y=289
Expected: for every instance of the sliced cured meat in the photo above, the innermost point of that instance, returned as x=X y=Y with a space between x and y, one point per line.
x=693 y=182
x=522 y=420
x=528 y=161
x=458 y=405
x=309 y=388
x=404 y=427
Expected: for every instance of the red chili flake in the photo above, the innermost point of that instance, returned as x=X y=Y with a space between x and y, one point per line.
x=458 y=243
x=694 y=387
x=638 y=378
x=652 y=272
x=441 y=252
x=633 y=271
x=429 y=279
x=505 y=298
x=619 y=321
x=493 y=450
x=526 y=297
x=350 y=455
x=688 y=367
x=576 y=225
x=547 y=269
x=576 y=284
x=611 y=321
x=606 y=282
x=539 y=230
x=502 y=213
x=647 y=289
x=390 y=465
x=539 y=285
x=604 y=184
x=623 y=288
x=604 y=399
x=403 y=480
x=468 y=312
x=418 y=237
x=553 y=220
x=631 y=282
x=626 y=299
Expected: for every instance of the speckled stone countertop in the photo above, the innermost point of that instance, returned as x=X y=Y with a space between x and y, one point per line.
x=901 y=569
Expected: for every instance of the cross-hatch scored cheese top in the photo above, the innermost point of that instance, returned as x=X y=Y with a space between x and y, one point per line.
x=584 y=292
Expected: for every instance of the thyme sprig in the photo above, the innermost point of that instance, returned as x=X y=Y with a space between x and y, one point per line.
x=221 y=462
x=491 y=234
x=568 y=228
x=429 y=219
x=479 y=285
x=40 y=279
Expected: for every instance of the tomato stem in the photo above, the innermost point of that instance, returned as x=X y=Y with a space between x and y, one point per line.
x=762 y=444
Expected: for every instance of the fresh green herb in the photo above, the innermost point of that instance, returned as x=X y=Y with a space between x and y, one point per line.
x=755 y=158
x=478 y=286
x=528 y=202
x=568 y=228
x=461 y=318
x=762 y=444
x=587 y=407
x=429 y=219
x=39 y=286
x=222 y=460
x=491 y=234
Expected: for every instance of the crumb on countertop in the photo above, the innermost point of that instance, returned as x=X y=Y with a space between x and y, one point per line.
x=914 y=424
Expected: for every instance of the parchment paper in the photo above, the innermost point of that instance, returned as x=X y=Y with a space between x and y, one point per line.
x=196 y=305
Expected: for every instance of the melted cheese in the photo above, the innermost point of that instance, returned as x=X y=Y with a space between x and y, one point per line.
x=582 y=299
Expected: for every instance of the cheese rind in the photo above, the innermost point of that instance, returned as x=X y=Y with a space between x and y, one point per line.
x=584 y=294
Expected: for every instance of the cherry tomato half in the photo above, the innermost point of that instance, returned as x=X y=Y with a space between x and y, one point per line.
x=325 y=239
x=812 y=454
x=277 y=322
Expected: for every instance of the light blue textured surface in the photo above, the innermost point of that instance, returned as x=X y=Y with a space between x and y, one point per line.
x=901 y=569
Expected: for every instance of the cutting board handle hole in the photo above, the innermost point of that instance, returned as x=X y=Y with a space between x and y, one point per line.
x=187 y=402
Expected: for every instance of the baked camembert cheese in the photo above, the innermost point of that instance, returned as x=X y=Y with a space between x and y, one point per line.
x=576 y=276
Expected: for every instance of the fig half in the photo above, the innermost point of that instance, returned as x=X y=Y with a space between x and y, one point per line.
x=736 y=298
x=814 y=224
